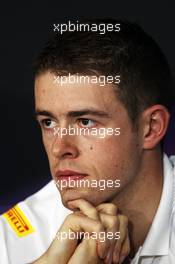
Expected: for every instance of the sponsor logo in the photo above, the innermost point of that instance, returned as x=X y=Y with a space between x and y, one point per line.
x=18 y=222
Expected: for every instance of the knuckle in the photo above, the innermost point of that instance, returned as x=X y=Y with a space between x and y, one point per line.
x=93 y=211
x=113 y=221
x=124 y=219
x=98 y=227
x=109 y=208
x=113 y=207
x=78 y=213
x=125 y=250
x=69 y=217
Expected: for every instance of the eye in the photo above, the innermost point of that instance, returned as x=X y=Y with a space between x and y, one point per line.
x=85 y=122
x=48 y=123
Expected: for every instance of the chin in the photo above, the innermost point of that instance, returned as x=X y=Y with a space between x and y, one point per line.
x=71 y=195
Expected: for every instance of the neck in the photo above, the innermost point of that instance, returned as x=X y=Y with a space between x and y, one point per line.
x=140 y=199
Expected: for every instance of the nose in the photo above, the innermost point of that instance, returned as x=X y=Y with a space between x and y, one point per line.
x=64 y=147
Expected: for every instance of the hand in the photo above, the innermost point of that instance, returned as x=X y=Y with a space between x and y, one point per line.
x=100 y=220
x=61 y=250
x=115 y=227
x=86 y=252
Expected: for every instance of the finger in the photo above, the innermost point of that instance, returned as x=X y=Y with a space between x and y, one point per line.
x=84 y=206
x=85 y=252
x=125 y=249
x=123 y=229
x=110 y=209
x=107 y=208
x=67 y=237
x=79 y=222
x=89 y=210
x=111 y=224
x=109 y=257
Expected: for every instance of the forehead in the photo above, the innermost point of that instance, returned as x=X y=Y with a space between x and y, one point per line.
x=54 y=96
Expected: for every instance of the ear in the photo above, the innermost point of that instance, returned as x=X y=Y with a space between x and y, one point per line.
x=155 y=123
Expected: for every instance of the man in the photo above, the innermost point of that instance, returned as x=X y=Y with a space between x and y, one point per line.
x=88 y=82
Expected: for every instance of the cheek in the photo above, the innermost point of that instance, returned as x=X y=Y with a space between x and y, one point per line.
x=102 y=149
x=47 y=142
x=110 y=158
x=103 y=154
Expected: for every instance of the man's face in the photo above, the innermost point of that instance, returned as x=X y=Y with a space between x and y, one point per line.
x=110 y=158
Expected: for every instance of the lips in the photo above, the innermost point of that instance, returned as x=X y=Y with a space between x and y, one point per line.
x=66 y=174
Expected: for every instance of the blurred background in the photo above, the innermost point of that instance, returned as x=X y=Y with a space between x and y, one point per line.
x=25 y=27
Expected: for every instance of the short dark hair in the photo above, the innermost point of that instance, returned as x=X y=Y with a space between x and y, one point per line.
x=131 y=53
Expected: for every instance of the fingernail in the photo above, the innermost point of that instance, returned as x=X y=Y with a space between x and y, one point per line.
x=121 y=259
x=109 y=257
x=70 y=206
x=116 y=257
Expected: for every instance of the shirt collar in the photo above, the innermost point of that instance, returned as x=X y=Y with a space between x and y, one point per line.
x=157 y=240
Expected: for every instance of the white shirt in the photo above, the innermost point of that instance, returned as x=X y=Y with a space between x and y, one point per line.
x=26 y=231
x=159 y=246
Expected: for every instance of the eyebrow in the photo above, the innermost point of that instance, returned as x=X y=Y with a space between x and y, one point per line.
x=76 y=113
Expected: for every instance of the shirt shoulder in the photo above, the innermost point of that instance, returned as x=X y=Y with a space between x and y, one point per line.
x=172 y=221
x=27 y=229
